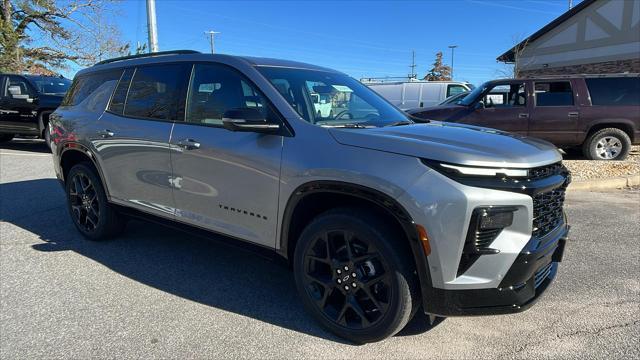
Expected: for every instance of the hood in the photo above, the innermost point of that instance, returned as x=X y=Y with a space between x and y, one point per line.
x=453 y=143
x=441 y=112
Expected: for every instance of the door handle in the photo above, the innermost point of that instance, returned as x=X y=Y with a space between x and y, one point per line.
x=106 y=133
x=189 y=144
x=574 y=114
x=523 y=116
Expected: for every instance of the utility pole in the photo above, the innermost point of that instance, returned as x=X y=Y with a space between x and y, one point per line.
x=211 y=36
x=413 y=65
x=452 y=47
x=570 y=4
x=152 y=26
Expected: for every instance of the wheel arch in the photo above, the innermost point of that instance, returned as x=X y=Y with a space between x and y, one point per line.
x=313 y=198
x=627 y=127
x=73 y=153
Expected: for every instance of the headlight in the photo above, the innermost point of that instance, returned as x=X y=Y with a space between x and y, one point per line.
x=485 y=171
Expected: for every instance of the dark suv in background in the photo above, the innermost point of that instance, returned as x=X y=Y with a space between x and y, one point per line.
x=598 y=113
x=26 y=102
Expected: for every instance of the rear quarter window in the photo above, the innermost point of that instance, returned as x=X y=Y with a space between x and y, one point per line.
x=614 y=91
x=92 y=91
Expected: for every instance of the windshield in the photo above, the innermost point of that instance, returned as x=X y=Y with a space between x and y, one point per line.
x=50 y=85
x=473 y=95
x=455 y=99
x=333 y=99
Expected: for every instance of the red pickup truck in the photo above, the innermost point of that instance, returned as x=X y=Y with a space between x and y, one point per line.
x=598 y=113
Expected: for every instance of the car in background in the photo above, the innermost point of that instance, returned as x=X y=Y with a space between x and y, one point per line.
x=418 y=94
x=26 y=102
x=598 y=113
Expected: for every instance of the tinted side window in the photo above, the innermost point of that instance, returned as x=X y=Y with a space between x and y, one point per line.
x=156 y=91
x=214 y=89
x=614 y=91
x=506 y=96
x=91 y=86
x=556 y=93
x=18 y=88
x=120 y=95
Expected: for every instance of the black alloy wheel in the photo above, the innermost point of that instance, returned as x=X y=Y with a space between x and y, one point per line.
x=87 y=201
x=348 y=279
x=355 y=274
x=84 y=202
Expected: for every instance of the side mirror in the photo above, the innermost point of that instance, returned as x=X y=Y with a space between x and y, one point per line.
x=248 y=120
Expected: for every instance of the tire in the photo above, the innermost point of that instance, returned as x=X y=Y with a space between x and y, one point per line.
x=6 y=137
x=607 y=144
x=87 y=203
x=47 y=136
x=380 y=299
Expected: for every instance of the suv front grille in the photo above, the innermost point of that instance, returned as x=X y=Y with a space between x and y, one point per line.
x=547 y=211
x=545 y=171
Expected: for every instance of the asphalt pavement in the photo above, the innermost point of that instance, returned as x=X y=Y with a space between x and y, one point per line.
x=158 y=293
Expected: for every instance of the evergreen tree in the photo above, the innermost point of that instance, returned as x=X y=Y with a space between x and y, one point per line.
x=439 y=72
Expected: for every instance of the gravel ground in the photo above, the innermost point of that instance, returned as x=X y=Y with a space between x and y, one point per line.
x=583 y=169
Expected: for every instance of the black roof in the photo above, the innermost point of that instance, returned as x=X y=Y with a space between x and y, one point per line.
x=509 y=55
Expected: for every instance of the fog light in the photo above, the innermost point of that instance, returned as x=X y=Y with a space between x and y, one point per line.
x=496 y=218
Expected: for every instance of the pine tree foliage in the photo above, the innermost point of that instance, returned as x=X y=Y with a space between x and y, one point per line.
x=439 y=71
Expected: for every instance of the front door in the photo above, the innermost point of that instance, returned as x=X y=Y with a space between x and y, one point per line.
x=225 y=181
x=504 y=107
x=18 y=105
x=132 y=137
x=555 y=115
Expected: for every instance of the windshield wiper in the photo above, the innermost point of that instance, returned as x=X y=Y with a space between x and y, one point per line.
x=400 y=123
x=348 y=126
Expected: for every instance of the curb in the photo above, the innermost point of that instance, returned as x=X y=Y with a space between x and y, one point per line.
x=603 y=184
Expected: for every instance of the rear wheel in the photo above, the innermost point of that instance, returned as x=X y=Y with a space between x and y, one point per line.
x=94 y=217
x=354 y=277
x=46 y=135
x=607 y=144
x=6 y=137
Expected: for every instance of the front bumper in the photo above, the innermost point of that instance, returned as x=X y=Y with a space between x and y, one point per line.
x=527 y=279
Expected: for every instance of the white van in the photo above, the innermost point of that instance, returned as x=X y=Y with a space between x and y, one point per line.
x=417 y=94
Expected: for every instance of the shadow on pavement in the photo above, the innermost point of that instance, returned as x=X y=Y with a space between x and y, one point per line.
x=31 y=145
x=208 y=272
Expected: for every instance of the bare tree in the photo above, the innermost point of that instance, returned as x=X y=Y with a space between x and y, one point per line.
x=513 y=69
x=45 y=35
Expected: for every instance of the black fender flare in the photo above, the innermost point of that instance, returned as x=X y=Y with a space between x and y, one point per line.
x=365 y=193
x=78 y=147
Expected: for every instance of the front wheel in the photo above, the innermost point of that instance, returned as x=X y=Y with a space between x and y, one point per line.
x=87 y=202
x=354 y=276
x=607 y=144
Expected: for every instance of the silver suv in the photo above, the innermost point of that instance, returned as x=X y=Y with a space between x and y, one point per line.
x=376 y=215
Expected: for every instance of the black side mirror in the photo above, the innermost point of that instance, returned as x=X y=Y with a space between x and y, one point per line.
x=248 y=120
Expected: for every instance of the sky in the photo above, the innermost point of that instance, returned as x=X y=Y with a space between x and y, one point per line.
x=362 y=39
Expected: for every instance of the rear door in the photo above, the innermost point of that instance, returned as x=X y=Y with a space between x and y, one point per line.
x=504 y=106
x=555 y=113
x=132 y=137
x=225 y=181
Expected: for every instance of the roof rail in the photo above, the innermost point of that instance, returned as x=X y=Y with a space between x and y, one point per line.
x=137 y=56
x=567 y=76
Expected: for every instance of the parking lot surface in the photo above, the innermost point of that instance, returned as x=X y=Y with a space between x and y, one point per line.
x=156 y=292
